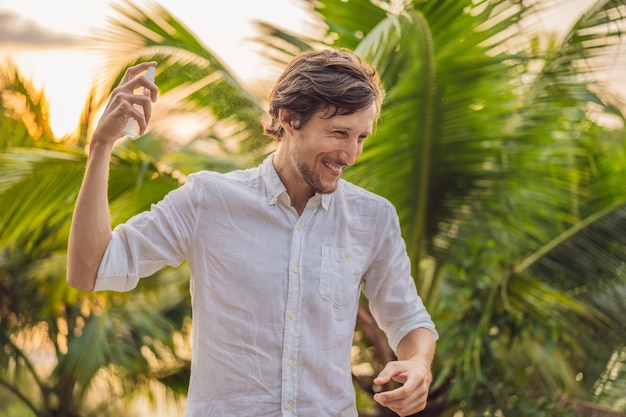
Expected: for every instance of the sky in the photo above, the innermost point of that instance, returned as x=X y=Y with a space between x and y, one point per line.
x=48 y=39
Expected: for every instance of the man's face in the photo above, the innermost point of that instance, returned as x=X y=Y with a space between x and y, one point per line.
x=324 y=147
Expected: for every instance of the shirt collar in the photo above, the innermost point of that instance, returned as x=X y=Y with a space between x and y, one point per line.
x=276 y=189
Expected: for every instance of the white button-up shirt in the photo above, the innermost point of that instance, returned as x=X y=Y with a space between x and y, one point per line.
x=274 y=294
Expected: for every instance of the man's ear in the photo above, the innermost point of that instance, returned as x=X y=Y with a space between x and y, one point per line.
x=287 y=120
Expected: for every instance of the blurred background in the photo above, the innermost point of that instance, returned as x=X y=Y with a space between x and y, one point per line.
x=501 y=144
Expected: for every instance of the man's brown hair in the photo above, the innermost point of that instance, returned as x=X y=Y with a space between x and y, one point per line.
x=335 y=81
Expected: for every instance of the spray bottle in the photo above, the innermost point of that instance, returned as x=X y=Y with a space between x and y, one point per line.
x=132 y=127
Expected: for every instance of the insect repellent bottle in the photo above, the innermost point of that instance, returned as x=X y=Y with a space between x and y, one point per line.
x=132 y=127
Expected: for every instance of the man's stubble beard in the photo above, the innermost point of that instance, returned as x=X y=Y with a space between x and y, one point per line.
x=311 y=178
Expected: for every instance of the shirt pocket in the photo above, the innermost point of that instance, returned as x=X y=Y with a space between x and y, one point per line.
x=341 y=272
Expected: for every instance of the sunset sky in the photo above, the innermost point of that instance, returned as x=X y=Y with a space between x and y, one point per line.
x=47 y=39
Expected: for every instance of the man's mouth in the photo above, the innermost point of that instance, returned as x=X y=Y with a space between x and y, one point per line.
x=337 y=169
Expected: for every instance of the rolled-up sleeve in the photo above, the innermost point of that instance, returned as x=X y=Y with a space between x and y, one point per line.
x=389 y=286
x=149 y=241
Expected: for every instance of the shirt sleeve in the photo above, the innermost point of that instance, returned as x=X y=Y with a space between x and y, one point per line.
x=389 y=286
x=149 y=241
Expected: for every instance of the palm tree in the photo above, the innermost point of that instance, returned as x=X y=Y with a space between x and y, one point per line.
x=60 y=347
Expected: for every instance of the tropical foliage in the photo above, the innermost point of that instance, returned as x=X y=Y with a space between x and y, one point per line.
x=500 y=148
x=60 y=346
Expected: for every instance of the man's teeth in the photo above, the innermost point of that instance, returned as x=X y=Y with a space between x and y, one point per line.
x=333 y=168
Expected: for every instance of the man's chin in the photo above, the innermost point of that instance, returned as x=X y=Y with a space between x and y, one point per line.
x=327 y=189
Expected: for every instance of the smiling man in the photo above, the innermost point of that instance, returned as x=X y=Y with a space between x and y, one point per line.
x=279 y=254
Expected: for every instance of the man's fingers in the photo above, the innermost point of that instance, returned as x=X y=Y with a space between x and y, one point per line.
x=135 y=70
x=402 y=400
x=409 y=398
x=391 y=371
x=382 y=379
x=397 y=394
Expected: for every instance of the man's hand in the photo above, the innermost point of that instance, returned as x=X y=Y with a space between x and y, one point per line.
x=120 y=107
x=415 y=353
x=412 y=395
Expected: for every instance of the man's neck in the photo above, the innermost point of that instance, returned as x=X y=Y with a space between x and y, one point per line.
x=298 y=189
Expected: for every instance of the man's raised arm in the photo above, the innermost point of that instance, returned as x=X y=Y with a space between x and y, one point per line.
x=90 y=231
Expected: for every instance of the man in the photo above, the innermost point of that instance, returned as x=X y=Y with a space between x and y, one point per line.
x=278 y=254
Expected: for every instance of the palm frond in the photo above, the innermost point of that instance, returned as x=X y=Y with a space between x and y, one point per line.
x=25 y=110
x=349 y=22
x=35 y=184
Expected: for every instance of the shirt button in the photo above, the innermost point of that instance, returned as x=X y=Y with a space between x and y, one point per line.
x=273 y=200
x=296 y=270
x=292 y=316
x=290 y=362
x=298 y=227
x=287 y=406
x=347 y=255
x=324 y=206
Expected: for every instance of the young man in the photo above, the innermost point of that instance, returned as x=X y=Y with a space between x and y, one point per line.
x=278 y=254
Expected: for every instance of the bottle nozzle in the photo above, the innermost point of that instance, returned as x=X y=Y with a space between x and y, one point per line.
x=150 y=73
x=132 y=127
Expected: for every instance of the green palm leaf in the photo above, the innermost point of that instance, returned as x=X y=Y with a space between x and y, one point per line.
x=348 y=22
x=37 y=185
